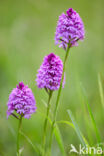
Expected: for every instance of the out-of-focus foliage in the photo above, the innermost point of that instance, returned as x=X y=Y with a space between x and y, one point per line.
x=27 y=29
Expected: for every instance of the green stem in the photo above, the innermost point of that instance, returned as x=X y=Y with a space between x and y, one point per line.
x=18 y=135
x=58 y=97
x=45 y=122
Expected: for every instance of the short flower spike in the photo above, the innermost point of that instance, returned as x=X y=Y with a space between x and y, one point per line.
x=50 y=72
x=22 y=101
x=70 y=29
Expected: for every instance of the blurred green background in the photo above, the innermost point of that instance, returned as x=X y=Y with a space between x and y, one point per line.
x=27 y=29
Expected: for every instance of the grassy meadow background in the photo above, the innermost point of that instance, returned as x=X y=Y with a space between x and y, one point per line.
x=27 y=29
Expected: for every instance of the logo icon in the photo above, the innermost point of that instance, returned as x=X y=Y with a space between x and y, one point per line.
x=73 y=149
x=86 y=150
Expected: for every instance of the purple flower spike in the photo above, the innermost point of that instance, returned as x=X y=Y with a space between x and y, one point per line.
x=50 y=72
x=22 y=101
x=70 y=29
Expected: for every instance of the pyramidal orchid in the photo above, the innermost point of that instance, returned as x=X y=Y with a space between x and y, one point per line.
x=49 y=77
x=21 y=104
x=69 y=30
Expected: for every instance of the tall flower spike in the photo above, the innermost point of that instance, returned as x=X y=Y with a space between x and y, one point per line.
x=70 y=29
x=50 y=72
x=22 y=101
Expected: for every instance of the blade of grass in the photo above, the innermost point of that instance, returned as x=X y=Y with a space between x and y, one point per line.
x=83 y=108
x=91 y=115
x=59 y=139
x=45 y=104
x=76 y=127
x=11 y=130
x=30 y=142
x=71 y=125
x=101 y=90
x=66 y=122
x=57 y=134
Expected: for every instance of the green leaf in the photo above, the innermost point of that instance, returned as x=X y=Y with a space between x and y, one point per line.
x=30 y=142
x=66 y=122
x=45 y=104
x=91 y=115
x=11 y=130
x=71 y=125
x=76 y=128
x=101 y=90
x=57 y=134
x=59 y=139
